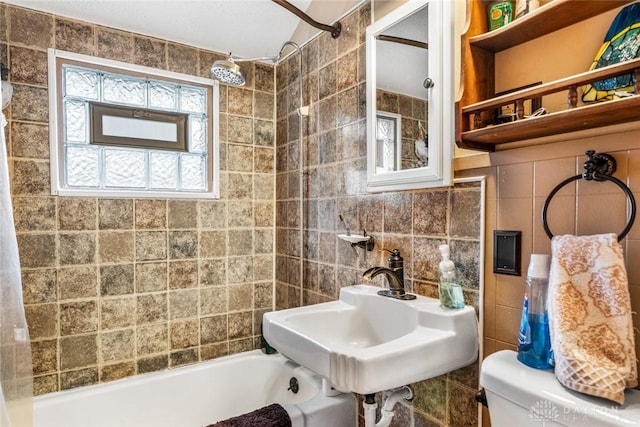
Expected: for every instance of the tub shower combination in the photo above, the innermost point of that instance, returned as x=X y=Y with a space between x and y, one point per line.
x=199 y=395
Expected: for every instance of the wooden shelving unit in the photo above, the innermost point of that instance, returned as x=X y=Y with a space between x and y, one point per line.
x=478 y=101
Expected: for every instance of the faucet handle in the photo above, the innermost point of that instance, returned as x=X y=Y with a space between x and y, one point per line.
x=395 y=260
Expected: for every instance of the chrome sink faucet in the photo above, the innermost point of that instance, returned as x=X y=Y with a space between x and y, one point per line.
x=395 y=276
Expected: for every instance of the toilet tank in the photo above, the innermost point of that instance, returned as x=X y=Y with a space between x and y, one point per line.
x=518 y=395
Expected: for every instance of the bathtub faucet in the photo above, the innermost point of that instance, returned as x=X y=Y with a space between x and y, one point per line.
x=395 y=276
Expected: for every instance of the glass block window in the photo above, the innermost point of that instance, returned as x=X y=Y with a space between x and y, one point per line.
x=151 y=168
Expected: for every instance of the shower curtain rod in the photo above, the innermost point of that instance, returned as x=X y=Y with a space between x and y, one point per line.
x=402 y=40
x=334 y=29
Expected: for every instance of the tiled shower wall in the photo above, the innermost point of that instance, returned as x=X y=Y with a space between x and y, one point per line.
x=313 y=267
x=118 y=287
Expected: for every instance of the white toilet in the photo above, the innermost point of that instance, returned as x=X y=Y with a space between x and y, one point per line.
x=518 y=395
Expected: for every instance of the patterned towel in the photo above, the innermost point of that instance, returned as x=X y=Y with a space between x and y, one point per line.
x=590 y=316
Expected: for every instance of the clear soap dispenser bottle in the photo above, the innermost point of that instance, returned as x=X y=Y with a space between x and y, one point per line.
x=449 y=289
x=534 y=342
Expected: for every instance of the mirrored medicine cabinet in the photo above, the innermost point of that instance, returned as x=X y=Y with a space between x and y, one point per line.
x=410 y=106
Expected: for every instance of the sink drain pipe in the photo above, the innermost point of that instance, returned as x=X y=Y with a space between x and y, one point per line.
x=387 y=412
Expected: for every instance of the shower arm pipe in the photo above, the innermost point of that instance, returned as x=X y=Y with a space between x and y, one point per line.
x=334 y=29
x=402 y=40
x=273 y=59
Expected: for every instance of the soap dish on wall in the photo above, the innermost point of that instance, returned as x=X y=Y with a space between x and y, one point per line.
x=359 y=240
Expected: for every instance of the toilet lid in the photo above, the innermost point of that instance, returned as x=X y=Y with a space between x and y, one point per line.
x=547 y=399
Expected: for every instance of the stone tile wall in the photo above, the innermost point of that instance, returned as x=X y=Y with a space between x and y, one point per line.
x=118 y=287
x=313 y=268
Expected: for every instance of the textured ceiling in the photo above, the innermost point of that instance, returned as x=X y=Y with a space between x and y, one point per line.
x=248 y=28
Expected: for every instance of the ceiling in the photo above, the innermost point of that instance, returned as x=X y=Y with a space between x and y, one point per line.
x=247 y=28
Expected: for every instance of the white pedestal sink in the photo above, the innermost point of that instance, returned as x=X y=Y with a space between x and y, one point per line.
x=366 y=343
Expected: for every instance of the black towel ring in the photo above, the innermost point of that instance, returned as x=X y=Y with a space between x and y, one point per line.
x=598 y=167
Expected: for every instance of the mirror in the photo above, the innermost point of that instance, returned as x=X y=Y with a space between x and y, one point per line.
x=409 y=97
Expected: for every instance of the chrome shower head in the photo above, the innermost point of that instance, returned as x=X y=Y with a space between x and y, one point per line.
x=228 y=72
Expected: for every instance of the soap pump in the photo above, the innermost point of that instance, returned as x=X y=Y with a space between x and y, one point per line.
x=449 y=289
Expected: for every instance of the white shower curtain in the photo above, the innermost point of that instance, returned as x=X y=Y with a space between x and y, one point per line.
x=16 y=374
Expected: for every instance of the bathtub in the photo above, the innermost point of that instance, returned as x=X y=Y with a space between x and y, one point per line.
x=198 y=395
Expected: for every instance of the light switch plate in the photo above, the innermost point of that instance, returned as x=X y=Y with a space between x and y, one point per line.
x=506 y=252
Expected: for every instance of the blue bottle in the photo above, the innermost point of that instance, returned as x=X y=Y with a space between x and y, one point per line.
x=534 y=342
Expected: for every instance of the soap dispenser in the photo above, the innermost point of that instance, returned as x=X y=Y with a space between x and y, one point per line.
x=449 y=289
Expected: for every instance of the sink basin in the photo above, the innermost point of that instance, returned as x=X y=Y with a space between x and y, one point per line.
x=365 y=343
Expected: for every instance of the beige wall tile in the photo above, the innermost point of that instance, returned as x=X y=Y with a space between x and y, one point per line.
x=515 y=180
x=117 y=345
x=34 y=213
x=151 y=308
x=603 y=213
x=45 y=384
x=42 y=320
x=44 y=356
x=115 y=214
x=510 y=290
x=28 y=66
x=151 y=364
x=183 y=304
x=112 y=44
x=115 y=246
x=151 y=339
x=151 y=214
x=117 y=312
x=151 y=245
x=183 y=244
x=78 y=378
x=150 y=52
x=30 y=28
x=507 y=323
x=212 y=272
x=213 y=329
x=183 y=274
x=77 y=248
x=116 y=279
x=78 y=317
x=117 y=371
x=182 y=214
x=78 y=351
x=182 y=59
x=30 y=177
x=549 y=173
x=29 y=103
x=37 y=250
x=39 y=286
x=74 y=36
x=30 y=140
x=561 y=219
x=77 y=213
x=77 y=282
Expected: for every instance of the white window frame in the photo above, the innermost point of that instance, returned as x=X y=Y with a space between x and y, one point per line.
x=56 y=142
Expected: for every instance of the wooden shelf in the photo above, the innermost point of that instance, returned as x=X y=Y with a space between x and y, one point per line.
x=478 y=101
x=549 y=18
x=555 y=86
x=579 y=118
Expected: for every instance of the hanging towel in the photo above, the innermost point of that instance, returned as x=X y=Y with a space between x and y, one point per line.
x=270 y=416
x=590 y=316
